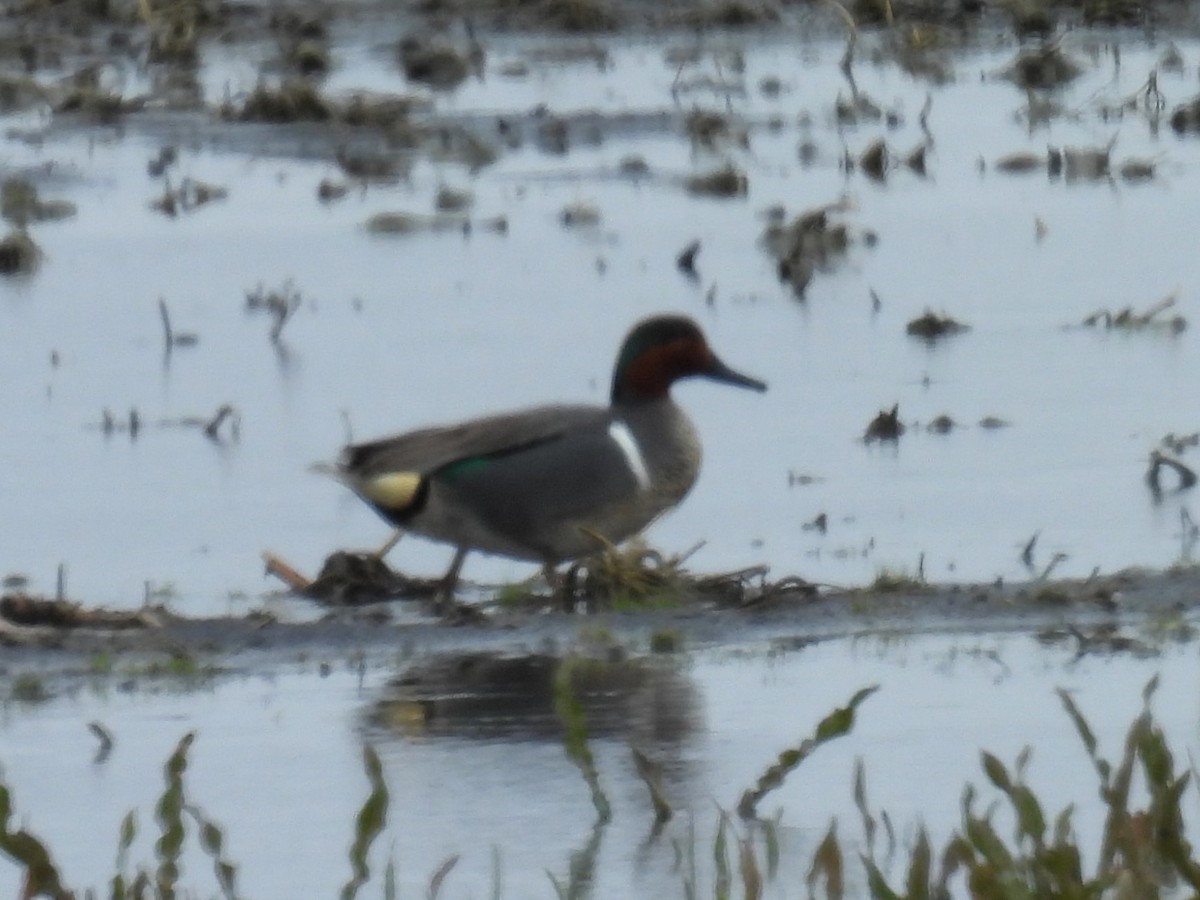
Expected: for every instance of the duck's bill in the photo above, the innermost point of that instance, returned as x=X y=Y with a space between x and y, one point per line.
x=718 y=371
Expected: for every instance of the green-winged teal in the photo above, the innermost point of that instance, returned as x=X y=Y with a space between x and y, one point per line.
x=540 y=484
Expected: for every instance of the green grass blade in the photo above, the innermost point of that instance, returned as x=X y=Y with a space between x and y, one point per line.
x=828 y=867
x=575 y=735
x=169 y=813
x=370 y=823
x=835 y=725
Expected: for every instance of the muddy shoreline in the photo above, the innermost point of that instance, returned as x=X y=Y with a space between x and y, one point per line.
x=1106 y=614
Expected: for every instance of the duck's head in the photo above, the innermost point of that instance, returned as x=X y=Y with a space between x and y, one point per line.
x=661 y=350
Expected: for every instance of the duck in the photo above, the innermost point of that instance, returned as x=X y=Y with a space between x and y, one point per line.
x=552 y=483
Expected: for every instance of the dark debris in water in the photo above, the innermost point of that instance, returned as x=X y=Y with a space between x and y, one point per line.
x=930 y=326
x=1185 y=476
x=814 y=241
x=886 y=426
x=19 y=253
x=1042 y=68
x=292 y=100
x=29 y=610
x=21 y=205
x=434 y=62
x=727 y=181
x=1151 y=318
x=349 y=579
x=628 y=578
x=942 y=424
x=1185 y=118
x=190 y=195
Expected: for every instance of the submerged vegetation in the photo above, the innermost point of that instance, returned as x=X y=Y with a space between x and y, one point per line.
x=1014 y=847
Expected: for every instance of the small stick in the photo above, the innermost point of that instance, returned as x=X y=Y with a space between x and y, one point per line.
x=284 y=572
x=168 y=335
x=1187 y=478
x=1052 y=565
x=686 y=260
x=104 y=736
x=1027 y=553
x=214 y=423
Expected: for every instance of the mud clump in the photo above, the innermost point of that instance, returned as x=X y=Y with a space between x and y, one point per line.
x=885 y=427
x=21 y=205
x=436 y=64
x=711 y=129
x=19 y=93
x=1020 y=163
x=19 y=254
x=1151 y=318
x=190 y=195
x=102 y=106
x=814 y=241
x=874 y=160
x=293 y=100
x=930 y=326
x=402 y=223
x=1086 y=163
x=942 y=424
x=731 y=14
x=578 y=16
x=727 y=181
x=1185 y=119
x=349 y=579
x=28 y=610
x=1045 y=68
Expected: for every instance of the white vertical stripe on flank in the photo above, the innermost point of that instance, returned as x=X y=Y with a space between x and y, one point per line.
x=624 y=439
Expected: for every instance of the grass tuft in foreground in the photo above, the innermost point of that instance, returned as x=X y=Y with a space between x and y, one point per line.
x=1012 y=849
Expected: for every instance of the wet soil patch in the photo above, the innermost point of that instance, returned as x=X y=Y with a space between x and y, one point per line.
x=1133 y=600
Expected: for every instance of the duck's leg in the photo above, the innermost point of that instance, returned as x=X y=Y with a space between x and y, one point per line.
x=391 y=542
x=444 y=597
x=561 y=587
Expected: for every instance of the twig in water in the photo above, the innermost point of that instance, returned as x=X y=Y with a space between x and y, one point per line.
x=171 y=337
x=686 y=260
x=1027 y=553
x=214 y=424
x=1158 y=459
x=1050 y=566
x=168 y=336
x=851 y=40
x=923 y=119
x=106 y=741
x=1188 y=534
x=284 y=572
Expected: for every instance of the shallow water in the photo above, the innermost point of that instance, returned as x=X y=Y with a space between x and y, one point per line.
x=277 y=762
x=405 y=331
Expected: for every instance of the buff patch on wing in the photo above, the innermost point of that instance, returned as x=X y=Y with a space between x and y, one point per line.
x=395 y=490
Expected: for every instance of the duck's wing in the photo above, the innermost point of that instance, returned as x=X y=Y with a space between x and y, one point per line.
x=392 y=473
x=426 y=451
